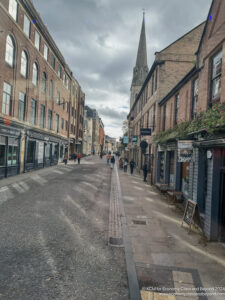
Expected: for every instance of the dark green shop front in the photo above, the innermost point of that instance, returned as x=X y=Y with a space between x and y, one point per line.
x=9 y=151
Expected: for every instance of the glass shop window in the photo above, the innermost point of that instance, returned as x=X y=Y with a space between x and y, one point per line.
x=2 y=150
x=47 y=150
x=161 y=166
x=55 y=151
x=171 y=167
x=12 y=152
x=185 y=178
x=31 y=152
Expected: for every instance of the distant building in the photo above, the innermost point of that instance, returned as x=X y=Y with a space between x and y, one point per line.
x=110 y=144
x=97 y=137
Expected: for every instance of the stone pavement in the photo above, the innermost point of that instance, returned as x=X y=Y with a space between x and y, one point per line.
x=168 y=259
x=115 y=227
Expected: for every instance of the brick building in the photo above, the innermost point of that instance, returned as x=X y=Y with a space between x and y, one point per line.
x=39 y=96
x=101 y=135
x=191 y=146
x=169 y=67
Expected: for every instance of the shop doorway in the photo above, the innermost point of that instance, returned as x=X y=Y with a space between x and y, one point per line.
x=185 y=178
x=222 y=207
x=171 y=168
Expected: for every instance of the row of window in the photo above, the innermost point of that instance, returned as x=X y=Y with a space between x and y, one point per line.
x=9 y=58
x=7 y=110
x=176 y=105
x=13 y=11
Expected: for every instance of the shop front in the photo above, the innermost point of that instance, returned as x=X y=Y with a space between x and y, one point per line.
x=208 y=181
x=185 y=157
x=9 y=151
x=42 y=150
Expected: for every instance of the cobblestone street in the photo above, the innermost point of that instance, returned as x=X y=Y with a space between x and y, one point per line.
x=54 y=235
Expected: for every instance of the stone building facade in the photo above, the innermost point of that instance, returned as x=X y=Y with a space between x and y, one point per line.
x=191 y=154
x=38 y=93
x=170 y=66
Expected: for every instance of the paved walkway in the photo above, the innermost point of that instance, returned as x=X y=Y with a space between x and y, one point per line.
x=167 y=258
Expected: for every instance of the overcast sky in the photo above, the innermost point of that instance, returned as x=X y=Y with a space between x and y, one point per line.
x=99 y=41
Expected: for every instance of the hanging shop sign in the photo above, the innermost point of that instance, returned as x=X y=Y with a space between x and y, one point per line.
x=143 y=146
x=134 y=139
x=185 y=151
x=146 y=131
x=125 y=139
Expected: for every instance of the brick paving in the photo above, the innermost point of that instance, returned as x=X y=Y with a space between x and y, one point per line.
x=115 y=228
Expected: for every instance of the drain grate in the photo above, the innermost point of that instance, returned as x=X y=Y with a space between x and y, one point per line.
x=139 y=222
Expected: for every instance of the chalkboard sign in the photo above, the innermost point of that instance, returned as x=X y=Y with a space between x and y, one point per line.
x=189 y=212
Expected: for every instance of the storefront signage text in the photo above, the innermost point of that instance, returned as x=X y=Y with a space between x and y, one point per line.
x=185 y=151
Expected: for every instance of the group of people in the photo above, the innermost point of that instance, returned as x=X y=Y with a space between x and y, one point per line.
x=110 y=160
x=123 y=164
x=74 y=157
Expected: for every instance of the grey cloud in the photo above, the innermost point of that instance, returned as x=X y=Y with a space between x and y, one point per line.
x=99 y=40
x=112 y=113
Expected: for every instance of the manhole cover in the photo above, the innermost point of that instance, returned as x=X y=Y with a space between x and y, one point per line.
x=139 y=222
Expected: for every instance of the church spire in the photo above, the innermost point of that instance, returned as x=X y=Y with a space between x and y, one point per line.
x=140 y=70
x=142 y=52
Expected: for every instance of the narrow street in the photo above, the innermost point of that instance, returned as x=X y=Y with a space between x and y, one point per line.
x=54 y=235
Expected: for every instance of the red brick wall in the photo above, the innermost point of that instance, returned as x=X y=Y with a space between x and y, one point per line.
x=212 y=42
x=12 y=75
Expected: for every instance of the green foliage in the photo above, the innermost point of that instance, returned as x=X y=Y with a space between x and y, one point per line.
x=211 y=121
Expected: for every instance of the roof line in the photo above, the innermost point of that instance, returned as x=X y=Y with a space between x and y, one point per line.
x=180 y=37
x=206 y=23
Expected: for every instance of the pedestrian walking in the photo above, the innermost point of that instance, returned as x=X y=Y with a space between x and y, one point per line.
x=125 y=164
x=145 y=172
x=132 y=163
x=79 y=158
x=112 y=162
x=65 y=158
x=121 y=163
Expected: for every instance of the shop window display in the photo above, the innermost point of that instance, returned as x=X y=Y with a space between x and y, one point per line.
x=185 y=178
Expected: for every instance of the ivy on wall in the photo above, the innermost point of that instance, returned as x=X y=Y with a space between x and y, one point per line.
x=210 y=121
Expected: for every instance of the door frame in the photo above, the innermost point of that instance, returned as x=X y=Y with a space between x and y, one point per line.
x=222 y=206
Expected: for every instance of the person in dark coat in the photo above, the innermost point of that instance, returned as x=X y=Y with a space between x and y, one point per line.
x=65 y=158
x=132 y=163
x=125 y=164
x=112 y=162
x=145 y=171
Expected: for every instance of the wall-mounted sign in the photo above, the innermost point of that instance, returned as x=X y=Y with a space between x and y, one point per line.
x=125 y=139
x=185 y=151
x=146 y=131
x=209 y=154
x=134 y=139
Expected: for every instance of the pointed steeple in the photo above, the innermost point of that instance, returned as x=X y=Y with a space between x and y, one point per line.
x=142 y=52
x=140 y=70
